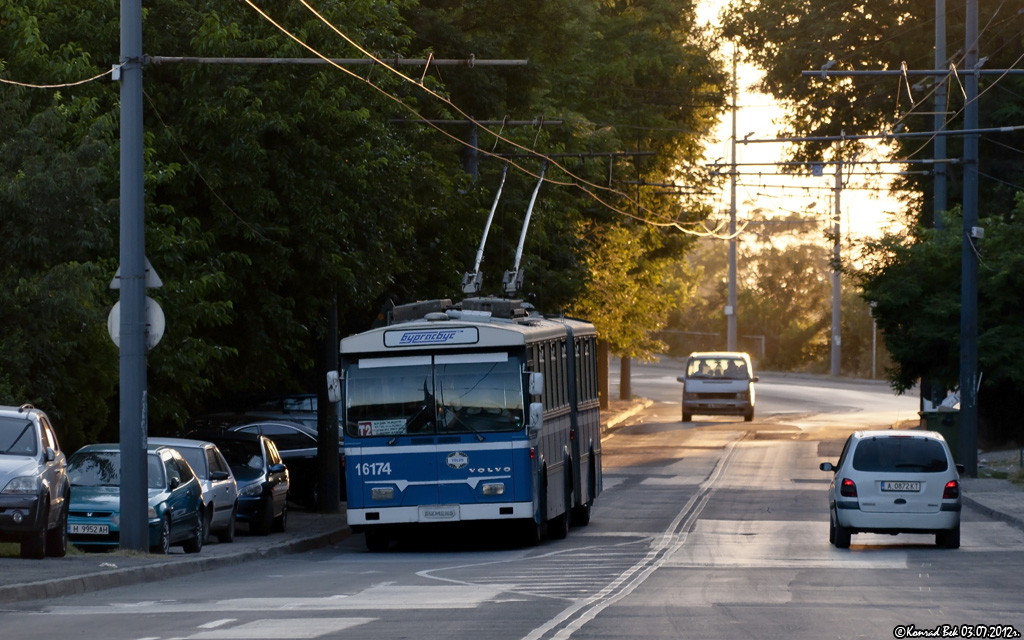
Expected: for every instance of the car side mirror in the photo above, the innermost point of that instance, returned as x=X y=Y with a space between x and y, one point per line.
x=755 y=378
x=50 y=454
x=278 y=468
x=174 y=483
x=217 y=476
x=681 y=378
x=827 y=466
x=961 y=469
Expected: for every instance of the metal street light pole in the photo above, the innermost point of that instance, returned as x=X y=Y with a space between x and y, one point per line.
x=134 y=501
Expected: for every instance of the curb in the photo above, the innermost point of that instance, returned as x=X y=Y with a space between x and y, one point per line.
x=995 y=514
x=59 y=587
x=621 y=416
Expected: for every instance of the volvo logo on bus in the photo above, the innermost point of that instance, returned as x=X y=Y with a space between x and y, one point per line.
x=416 y=337
x=457 y=460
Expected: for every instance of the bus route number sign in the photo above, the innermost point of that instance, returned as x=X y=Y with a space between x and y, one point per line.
x=381 y=427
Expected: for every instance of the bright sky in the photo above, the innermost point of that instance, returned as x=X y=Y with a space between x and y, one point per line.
x=865 y=211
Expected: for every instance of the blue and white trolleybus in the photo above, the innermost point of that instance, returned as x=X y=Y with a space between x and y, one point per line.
x=477 y=411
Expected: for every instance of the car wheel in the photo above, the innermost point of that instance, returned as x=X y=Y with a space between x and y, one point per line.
x=377 y=540
x=209 y=524
x=163 y=547
x=195 y=542
x=227 y=534
x=687 y=417
x=57 y=538
x=261 y=524
x=749 y=416
x=33 y=544
x=949 y=539
x=831 y=530
x=281 y=521
x=842 y=537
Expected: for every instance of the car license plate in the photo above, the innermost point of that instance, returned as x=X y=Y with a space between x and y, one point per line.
x=439 y=513
x=900 y=485
x=89 y=529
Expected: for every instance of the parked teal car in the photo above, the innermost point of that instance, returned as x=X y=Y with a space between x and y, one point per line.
x=175 y=499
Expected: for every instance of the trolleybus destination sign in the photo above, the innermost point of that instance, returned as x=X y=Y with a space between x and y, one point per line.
x=414 y=337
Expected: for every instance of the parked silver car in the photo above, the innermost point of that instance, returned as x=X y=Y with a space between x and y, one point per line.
x=34 y=488
x=220 y=491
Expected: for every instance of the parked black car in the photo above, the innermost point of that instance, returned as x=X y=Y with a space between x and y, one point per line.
x=297 y=443
x=262 y=478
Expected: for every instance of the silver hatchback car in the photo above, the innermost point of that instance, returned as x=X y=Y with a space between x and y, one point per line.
x=220 y=491
x=894 y=481
x=34 y=488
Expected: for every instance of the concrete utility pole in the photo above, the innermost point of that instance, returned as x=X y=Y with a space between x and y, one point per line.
x=837 y=294
x=939 y=119
x=969 y=257
x=134 y=501
x=730 y=309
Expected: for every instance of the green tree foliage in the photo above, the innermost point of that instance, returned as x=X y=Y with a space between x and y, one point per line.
x=632 y=291
x=619 y=77
x=915 y=287
x=784 y=300
x=57 y=226
x=271 y=189
x=917 y=272
x=784 y=38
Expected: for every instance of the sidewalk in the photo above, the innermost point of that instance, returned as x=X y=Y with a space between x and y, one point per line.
x=85 y=572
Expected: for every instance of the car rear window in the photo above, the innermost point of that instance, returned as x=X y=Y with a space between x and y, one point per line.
x=900 y=454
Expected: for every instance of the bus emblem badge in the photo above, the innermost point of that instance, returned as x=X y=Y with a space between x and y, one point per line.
x=457 y=460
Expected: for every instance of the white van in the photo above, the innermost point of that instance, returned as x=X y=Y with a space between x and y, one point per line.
x=718 y=383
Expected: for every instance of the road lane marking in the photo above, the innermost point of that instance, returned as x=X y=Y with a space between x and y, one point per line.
x=573 y=618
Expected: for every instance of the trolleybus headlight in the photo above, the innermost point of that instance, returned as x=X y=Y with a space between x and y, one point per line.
x=493 y=489
x=382 y=493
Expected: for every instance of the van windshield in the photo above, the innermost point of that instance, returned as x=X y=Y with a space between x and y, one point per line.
x=725 y=368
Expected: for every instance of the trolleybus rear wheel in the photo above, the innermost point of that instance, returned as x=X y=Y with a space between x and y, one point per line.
x=377 y=540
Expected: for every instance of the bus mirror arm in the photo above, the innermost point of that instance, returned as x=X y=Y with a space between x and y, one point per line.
x=536 y=416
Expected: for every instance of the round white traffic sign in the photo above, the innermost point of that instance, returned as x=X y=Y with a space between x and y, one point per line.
x=155 y=323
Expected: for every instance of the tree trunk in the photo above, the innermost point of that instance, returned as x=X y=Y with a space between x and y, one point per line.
x=625 y=388
x=603 y=387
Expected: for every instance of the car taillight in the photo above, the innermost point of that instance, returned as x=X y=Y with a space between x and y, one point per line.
x=848 y=489
x=951 y=491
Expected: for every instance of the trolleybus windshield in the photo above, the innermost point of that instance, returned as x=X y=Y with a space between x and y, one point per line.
x=447 y=394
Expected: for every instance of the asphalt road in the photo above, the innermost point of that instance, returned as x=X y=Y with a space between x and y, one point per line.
x=712 y=530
